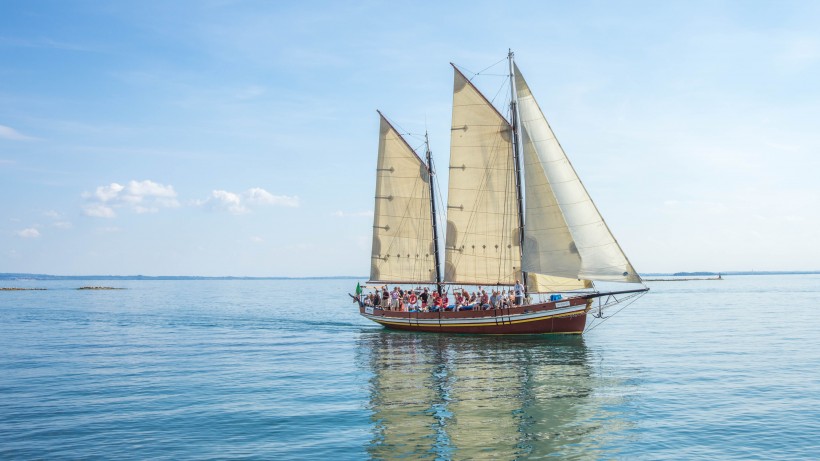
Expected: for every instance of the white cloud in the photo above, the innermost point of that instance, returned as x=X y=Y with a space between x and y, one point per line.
x=140 y=196
x=234 y=203
x=260 y=196
x=62 y=224
x=109 y=192
x=28 y=233
x=7 y=132
x=228 y=201
x=149 y=188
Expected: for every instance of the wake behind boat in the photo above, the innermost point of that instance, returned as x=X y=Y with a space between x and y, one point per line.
x=517 y=217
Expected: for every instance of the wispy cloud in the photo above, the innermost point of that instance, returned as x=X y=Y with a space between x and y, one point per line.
x=7 y=132
x=108 y=230
x=57 y=219
x=139 y=196
x=99 y=210
x=799 y=52
x=694 y=206
x=28 y=233
x=44 y=42
x=353 y=214
x=250 y=92
x=260 y=196
x=235 y=203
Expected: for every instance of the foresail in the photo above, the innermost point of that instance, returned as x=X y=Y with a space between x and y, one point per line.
x=482 y=245
x=565 y=234
x=402 y=225
x=546 y=235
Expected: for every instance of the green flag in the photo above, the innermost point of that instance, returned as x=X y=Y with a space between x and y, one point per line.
x=358 y=289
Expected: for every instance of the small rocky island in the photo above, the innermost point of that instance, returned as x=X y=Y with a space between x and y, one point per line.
x=99 y=288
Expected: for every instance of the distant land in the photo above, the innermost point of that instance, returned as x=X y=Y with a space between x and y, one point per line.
x=20 y=276
x=23 y=276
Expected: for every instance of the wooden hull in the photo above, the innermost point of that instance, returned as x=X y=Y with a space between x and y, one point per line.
x=567 y=316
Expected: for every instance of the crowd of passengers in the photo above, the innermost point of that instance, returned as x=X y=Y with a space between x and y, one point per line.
x=423 y=300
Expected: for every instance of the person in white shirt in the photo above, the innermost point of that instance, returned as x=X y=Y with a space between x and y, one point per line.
x=519 y=292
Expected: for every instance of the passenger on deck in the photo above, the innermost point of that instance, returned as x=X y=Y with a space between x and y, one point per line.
x=459 y=300
x=519 y=293
x=424 y=298
x=485 y=300
x=394 y=298
x=385 y=299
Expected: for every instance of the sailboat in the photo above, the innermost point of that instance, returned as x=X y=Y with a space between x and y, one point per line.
x=516 y=214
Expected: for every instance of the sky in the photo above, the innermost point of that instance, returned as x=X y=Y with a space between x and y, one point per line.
x=239 y=138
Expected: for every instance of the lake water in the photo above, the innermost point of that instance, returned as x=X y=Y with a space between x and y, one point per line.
x=288 y=370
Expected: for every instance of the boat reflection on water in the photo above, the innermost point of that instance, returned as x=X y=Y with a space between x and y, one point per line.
x=477 y=397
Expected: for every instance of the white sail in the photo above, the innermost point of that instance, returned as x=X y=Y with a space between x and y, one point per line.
x=565 y=234
x=539 y=283
x=403 y=248
x=482 y=246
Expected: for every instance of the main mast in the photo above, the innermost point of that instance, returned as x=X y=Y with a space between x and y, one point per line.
x=517 y=161
x=433 y=210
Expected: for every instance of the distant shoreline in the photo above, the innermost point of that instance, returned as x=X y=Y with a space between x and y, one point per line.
x=725 y=273
x=24 y=276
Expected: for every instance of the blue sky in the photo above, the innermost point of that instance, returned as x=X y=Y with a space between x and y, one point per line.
x=239 y=138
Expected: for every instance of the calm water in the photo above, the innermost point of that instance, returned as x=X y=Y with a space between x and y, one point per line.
x=288 y=370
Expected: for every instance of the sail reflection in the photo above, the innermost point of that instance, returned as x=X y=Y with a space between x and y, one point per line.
x=477 y=397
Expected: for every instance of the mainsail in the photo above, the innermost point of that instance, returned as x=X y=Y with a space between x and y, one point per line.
x=403 y=249
x=482 y=245
x=565 y=234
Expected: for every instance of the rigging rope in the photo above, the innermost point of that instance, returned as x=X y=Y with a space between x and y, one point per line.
x=475 y=74
x=634 y=297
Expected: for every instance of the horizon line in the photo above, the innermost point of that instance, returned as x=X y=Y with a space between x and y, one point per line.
x=9 y=275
